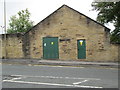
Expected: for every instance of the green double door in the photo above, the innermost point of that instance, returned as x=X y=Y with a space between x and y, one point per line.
x=81 y=49
x=50 y=48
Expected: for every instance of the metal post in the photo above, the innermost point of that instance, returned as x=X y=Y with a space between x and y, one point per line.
x=5 y=29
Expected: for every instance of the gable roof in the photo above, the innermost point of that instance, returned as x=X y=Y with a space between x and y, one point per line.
x=73 y=10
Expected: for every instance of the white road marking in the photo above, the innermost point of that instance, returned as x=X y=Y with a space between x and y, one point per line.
x=80 y=82
x=57 y=77
x=15 y=78
x=17 y=75
x=54 y=84
x=12 y=79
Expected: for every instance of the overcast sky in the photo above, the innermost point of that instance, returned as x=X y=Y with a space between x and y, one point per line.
x=40 y=9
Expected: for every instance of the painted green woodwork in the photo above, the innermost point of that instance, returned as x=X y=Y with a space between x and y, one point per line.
x=81 y=49
x=50 y=48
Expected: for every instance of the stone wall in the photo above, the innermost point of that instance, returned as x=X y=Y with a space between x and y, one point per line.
x=114 y=52
x=119 y=52
x=0 y=46
x=13 y=46
x=69 y=24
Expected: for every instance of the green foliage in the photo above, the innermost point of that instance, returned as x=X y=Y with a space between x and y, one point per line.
x=109 y=12
x=115 y=36
x=21 y=23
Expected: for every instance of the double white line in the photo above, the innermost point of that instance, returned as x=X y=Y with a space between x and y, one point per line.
x=53 y=84
x=76 y=83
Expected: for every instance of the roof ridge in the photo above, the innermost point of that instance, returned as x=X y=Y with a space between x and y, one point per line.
x=64 y=5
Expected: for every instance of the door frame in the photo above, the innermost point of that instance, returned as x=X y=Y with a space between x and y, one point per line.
x=57 y=48
x=78 y=50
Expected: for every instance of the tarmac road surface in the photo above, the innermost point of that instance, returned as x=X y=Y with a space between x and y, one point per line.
x=44 y=76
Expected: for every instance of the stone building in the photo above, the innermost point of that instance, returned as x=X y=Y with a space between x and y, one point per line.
x=66 y=34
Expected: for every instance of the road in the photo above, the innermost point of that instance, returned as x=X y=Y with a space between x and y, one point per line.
x=43 y=76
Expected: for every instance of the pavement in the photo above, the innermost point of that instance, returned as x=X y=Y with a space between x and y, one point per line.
x=60 y=63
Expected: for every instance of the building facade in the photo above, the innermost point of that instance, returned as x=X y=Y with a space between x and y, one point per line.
x=66 y=34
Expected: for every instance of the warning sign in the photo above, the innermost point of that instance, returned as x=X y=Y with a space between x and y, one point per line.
x=81 y=42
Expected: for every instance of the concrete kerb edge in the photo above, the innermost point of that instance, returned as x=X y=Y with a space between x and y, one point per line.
x=62 y=64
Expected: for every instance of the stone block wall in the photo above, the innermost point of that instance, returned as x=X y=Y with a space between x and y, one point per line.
x=0 y=46
x=69 y=26
x=13 y=44
x=114 y=52
x=73 y=26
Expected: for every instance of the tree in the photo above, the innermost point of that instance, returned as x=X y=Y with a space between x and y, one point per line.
x=20 y=23
x=109 y=12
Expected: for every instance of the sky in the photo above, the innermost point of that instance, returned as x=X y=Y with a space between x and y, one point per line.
x=40 y=9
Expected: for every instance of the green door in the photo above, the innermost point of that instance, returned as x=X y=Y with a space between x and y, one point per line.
x=81 y=49
x=50 y=48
